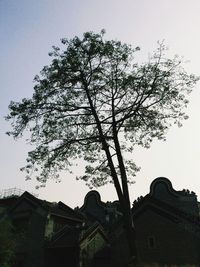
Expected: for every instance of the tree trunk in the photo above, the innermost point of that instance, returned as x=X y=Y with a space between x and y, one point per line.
x=128 y=221
x=131 y=236
x=123 y=194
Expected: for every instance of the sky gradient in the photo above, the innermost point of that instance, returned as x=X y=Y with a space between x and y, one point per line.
x=28 y=29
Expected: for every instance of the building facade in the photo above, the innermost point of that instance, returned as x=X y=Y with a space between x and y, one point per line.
x=167 y=224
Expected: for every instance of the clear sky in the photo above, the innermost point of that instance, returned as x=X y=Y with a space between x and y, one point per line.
x=28 y=29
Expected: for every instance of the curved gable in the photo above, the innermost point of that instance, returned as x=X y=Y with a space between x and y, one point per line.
x=161 y=188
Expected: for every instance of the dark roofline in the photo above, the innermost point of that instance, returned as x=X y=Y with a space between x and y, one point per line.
x=48 y=206
x=73 y=212
x=93 y=228
x=98 y=198
x=26 y=195
x=170 y=188
x=67 y=217
x=164 y=208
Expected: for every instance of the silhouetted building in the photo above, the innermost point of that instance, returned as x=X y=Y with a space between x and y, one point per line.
x=36 y=224
x=167 y=225
x=49 y=234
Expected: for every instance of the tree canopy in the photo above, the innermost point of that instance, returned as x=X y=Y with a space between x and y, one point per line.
x=93 y=91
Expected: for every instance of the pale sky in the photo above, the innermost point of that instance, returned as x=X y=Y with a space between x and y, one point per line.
x=28 y=29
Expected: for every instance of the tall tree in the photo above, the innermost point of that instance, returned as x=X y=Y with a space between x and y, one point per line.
x=95 y=103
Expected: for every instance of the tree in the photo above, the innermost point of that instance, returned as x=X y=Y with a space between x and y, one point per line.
x=95 y=103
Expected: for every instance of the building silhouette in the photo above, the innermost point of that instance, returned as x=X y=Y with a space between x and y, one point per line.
x=49 y=234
